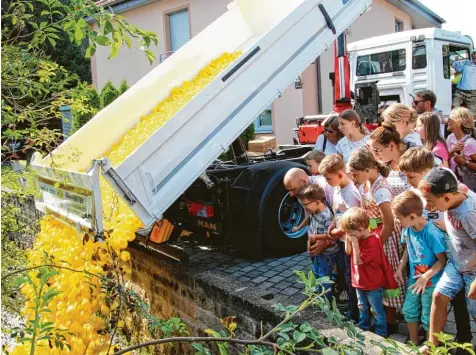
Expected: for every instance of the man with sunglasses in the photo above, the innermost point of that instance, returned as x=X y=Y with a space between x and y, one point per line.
x=425 y=101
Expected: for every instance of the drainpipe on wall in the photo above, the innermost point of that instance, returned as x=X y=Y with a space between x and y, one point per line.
x=319 y=87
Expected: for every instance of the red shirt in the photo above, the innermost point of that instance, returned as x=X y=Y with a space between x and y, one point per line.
x=370 y=275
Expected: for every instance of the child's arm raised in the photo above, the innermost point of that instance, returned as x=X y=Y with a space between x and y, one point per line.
x=356 y=251
x=304 y=223
x=420 y=285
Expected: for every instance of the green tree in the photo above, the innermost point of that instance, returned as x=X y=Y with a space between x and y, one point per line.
x=109 y=93
x=123 y=87
x=85 y=104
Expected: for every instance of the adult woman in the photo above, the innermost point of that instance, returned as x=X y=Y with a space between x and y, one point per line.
x=355 y=135
x=327 y=142
x=404 y=118
x=387 y=147
x=462 y=146
x=428 y=127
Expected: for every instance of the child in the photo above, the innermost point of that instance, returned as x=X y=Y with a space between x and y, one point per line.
x=428 y=127
x=346 y=196
x=440 y=189
x=426 y=253
x=377 y=197
x=313 y=159
x=370 y=277
x=313 y=198
x=355 y=134
x=415 y=163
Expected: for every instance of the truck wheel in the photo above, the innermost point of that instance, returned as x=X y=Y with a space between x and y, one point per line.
x=263 y=213
x=282 y=212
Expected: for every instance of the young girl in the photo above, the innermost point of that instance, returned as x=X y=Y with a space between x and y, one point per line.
x=327 y=141
x=313 y=198
x=462 y=146
x=313 y=159
x=387 y=147
x=428 y=127
x=355 y=134
x=377 y=197
x=404 y=118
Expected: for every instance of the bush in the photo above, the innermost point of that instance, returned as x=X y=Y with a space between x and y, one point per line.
x=88 y=103
x=108 y=94
x=123 y=87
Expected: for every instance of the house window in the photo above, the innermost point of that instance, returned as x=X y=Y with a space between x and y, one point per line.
x=179 y=29
x=264 y=122
x=398 y=26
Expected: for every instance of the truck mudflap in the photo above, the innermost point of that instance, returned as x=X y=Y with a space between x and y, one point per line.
x=278 y=39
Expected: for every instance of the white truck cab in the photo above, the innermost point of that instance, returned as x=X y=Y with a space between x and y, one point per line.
x=404 y=63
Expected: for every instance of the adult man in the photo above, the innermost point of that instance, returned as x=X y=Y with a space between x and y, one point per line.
x=425 y=101
x=465 y=94
x=296 y=179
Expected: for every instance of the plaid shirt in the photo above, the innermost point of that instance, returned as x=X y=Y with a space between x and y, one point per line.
x=319 y=224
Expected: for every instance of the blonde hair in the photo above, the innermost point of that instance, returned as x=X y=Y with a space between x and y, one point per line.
x=408 y=202
x=352 y=116
x=312 y=192
x=363 y=159
x=353 y=219
x=399 y=112
x=416 y=160
x=464 y=118
x=332 y=164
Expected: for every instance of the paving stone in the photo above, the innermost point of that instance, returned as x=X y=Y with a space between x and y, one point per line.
x=244 y=278
x=270 y=273
x=232 y=269
x=254 y=274
x=266 y=285
x=263 y=268
x=276 y=279
x=450 y=328
x=259 y=279
x=289 y=291
x=283 y=285
x=275 y=263
x=287 y=273
x=248 y=268
x=273 y=290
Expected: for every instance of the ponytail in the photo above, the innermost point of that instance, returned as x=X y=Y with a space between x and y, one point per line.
x=352 y=116
x=364 y=159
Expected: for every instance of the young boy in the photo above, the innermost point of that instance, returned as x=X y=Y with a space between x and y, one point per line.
x=370 y=276
x=346 y=196
x=440 y=189
x=425 y=250
x=313 y=160
x=313 y=198
x=415 y=163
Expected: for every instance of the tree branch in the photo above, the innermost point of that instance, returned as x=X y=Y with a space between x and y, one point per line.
x=200 y=339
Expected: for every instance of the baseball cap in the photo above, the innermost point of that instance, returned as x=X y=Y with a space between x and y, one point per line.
x=441 y=181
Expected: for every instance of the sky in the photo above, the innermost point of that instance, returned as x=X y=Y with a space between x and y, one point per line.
x=459 y=14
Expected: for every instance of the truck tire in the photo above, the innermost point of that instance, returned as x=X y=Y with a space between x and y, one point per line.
x=261 y=215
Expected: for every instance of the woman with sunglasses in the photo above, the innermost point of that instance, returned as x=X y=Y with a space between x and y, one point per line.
x=355 y=134
x=327 y=141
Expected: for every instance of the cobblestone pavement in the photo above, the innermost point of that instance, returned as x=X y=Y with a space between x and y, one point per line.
x=275 y=276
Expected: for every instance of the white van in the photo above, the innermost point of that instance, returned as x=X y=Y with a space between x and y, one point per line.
x=403 y=63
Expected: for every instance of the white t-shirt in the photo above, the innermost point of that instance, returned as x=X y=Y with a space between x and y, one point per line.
x=330 y=147
x=346 y=147
x=346 y=198
x=414 y=139
x=381 y=195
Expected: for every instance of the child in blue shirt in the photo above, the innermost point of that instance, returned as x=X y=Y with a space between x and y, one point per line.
x=425 y=250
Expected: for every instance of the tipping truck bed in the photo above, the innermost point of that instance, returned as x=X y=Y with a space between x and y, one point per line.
x=278 y=39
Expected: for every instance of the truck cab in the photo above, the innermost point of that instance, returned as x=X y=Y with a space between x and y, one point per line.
x=403 y=63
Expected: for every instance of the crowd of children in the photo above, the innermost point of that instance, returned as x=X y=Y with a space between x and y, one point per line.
x=399 y=225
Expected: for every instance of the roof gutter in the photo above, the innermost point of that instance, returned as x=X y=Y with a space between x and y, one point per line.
x=120 y=7
x=424 y=11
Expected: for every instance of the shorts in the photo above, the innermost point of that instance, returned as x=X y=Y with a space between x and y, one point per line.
x=452 y=281
x=417 y=307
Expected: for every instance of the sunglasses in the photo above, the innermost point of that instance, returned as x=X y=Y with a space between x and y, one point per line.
x=416 y=102
x=329 y=130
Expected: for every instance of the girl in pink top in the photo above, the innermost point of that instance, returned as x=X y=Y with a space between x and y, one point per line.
x=462 y=146
x=428 y=127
